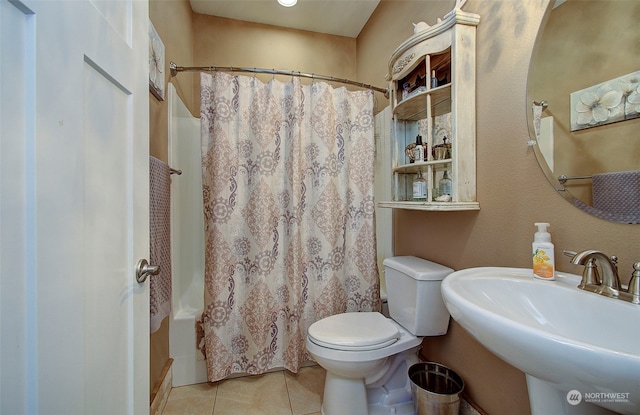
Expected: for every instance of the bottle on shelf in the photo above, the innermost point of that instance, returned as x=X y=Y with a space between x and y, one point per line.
x=419 y=150
x=444 y=185
x=447 y=146
x=419 y=188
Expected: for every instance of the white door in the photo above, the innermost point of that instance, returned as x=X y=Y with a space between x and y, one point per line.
x=74 y=334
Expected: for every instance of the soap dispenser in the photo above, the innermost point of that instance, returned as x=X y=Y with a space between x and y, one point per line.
x=543 y=255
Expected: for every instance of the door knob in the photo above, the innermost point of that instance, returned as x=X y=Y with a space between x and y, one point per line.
x=144 y=269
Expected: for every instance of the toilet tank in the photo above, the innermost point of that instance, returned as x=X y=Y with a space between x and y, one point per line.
x=413 y=294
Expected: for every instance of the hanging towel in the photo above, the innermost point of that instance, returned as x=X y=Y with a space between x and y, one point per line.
x=632 y=219
x=160 y=240
x=617 y=193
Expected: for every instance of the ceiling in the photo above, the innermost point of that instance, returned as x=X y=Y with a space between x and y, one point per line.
x=335 y=17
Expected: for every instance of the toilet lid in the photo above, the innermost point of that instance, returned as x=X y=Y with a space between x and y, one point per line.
x=354 y=331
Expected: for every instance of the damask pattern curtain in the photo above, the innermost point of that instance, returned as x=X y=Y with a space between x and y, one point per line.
x=288 y=174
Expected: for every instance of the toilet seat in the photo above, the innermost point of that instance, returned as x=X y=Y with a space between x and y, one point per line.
x=354 y=331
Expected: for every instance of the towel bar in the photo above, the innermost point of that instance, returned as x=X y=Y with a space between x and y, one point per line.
x=563 y=178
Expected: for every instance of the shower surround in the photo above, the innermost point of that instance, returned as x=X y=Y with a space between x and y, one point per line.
x=187 y=243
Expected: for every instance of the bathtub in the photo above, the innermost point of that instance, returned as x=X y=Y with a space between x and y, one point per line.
x=187 y=242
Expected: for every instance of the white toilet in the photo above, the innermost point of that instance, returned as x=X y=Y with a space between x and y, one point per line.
x=367 y=355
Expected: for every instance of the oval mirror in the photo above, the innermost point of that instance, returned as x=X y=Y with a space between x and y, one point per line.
x=583 y=98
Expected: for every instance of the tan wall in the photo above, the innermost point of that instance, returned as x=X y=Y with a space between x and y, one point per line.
x=512 y=190
x=227 y=42
x=172 y=20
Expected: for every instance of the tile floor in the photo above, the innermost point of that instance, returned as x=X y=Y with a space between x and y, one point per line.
x=277 y=393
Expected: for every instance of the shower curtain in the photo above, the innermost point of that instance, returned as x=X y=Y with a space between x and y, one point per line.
x=288 y=174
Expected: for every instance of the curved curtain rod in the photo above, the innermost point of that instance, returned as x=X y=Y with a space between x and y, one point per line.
x=175 y=69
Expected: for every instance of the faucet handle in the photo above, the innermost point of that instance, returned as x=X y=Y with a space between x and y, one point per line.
x=569 y=253
x=590 y=275
x=634 y=283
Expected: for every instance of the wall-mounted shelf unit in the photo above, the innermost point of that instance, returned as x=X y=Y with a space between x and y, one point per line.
x=442 y=112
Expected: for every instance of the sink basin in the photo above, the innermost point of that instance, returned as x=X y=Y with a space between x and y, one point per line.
x=579 y=350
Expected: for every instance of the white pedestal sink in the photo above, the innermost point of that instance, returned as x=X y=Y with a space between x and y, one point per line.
x=580 y=350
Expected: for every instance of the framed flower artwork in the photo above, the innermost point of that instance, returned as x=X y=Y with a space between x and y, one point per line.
x=605 y=103
x=156 y=63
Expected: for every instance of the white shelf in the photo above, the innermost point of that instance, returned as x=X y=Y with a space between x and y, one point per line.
x=414 y=107
x=413 y=168
x=431 y=206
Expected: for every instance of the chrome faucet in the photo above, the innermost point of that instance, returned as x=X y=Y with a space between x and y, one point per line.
x=609 y=284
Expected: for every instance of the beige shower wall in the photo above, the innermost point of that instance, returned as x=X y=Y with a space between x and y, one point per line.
x=512 y=190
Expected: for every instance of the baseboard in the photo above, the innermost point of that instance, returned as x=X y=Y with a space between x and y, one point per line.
x=160 y=393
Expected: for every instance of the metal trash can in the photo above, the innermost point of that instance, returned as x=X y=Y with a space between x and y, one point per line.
x=436 y=389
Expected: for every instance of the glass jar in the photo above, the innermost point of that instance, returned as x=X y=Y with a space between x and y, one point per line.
x=419 y=188
x=445 y=185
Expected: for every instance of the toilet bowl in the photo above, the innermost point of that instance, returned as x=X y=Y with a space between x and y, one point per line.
x=367 y=355
x=350 y=372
